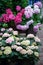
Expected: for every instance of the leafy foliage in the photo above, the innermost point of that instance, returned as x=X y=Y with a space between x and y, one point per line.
x=7 y=51
x=11 y=4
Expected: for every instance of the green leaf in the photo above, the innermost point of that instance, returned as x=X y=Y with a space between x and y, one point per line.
x=5 y=25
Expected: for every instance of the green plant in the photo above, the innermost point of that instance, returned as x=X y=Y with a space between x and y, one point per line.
x=11 y=4
x=12 y=45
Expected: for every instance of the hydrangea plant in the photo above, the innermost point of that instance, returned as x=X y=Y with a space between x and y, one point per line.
x=4 y=4
x=22 y=18
x=13 y=45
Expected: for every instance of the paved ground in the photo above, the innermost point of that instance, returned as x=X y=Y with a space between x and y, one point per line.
x=40 y=35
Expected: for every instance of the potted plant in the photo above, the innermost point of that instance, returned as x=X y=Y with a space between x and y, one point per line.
x=23 y=19
x=18 y=49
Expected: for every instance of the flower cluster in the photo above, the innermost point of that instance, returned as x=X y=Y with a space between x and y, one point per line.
x=8 y=16
x=22 y=47
x=24 y=17
x=27 y=13
x=39 y=4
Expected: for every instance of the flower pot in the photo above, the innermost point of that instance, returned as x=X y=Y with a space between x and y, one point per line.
x=17 y=62
x=24 y=62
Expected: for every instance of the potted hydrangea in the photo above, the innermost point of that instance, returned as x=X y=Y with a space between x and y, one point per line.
x=20 y=50
x=23 y=19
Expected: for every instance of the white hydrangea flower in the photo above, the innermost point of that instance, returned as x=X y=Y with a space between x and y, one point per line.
x=2 y=48
x=18 y=43
x=2 y=29
x=10 y=30
x=15 y=32
x=36 y=47
x=19 y=48
x=21 y=38
x=30 y=52
x=36 y=54
x=30 y=36
x=23 y=51
x=14 y=46
x=6 y=35
x=25 y=42
x=17 y=39
x=26 y=8
x=0 y=38
x=28 y=47
x=34 y=44
x=32 y=47
x=7 y=50
x=37 y=39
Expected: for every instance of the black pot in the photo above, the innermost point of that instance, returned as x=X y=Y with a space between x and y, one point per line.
x=24 y=62
x=17 y=62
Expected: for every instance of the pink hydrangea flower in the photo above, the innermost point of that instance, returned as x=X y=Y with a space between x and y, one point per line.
x=22 y=11
x=5 y=18
x=18 y=19
x=6 y=35
x=39 y=4
x=10 y=14
x=19 y=14
x=9 y=40
x=8 y=11
x=11 y=17
x=18 y=8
